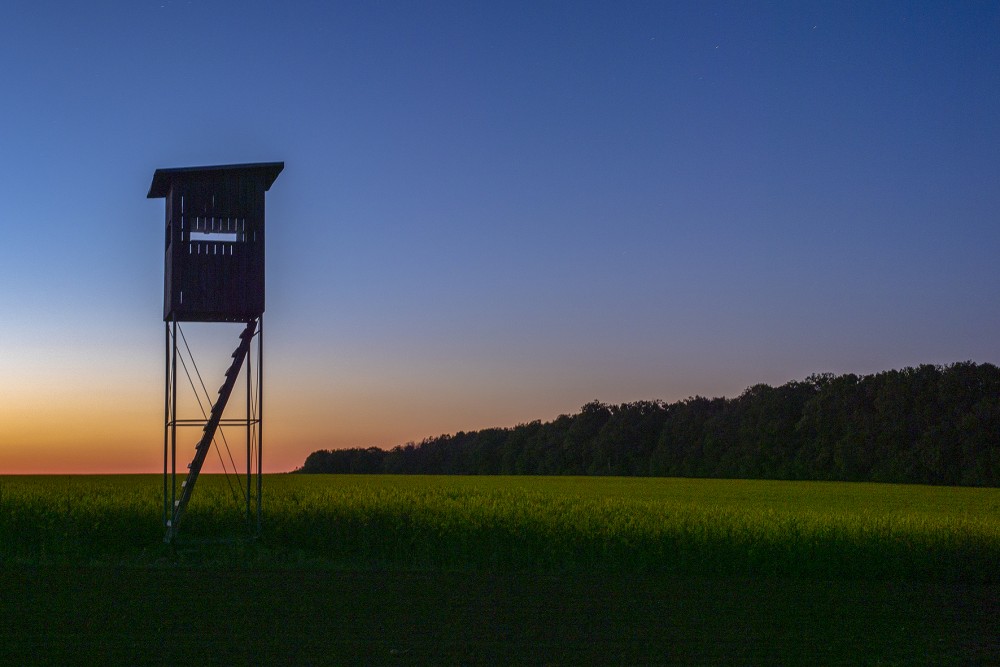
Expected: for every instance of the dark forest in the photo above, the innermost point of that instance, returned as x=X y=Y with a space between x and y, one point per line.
x=924 y=425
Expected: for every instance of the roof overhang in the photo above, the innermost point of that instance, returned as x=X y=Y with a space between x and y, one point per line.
x=164 y=178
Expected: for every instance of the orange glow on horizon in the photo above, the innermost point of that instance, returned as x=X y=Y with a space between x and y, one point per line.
x=111 y=438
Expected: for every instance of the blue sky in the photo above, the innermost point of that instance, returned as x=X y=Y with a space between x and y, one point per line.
x=494 y=212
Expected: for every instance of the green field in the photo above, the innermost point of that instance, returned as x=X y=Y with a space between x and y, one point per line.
x=466 y=570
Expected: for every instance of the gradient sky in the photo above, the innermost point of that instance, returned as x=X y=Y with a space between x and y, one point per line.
x=494 y=212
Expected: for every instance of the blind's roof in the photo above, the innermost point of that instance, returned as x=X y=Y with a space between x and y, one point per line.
x=164 y=178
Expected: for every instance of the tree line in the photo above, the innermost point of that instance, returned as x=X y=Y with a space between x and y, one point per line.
x=925 y=425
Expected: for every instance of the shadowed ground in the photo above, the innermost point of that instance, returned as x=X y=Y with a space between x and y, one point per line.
x=135 y=616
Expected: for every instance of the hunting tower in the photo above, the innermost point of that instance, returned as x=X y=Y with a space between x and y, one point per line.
x=213 y=272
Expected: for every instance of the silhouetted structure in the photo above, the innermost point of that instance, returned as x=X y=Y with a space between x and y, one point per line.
x=213 y=272
x=214 y=256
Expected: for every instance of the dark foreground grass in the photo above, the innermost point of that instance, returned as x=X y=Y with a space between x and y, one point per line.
x=106 y=615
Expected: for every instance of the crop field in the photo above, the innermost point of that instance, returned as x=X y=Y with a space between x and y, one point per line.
x=459 y=570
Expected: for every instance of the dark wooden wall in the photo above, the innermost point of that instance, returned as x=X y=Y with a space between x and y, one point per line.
x=208 y=280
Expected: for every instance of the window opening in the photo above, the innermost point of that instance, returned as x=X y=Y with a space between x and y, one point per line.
x=229 y=237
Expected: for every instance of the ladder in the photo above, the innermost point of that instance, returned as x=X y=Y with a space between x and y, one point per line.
x=211 y=426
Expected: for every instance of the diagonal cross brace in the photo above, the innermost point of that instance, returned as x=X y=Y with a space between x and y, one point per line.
x=201 y=449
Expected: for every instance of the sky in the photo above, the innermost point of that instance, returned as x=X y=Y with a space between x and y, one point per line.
x=493 y=212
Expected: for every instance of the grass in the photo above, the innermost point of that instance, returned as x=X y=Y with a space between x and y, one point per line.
x=666 y=526
x=464 y=570
x=700 y=527
x=63 y=616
